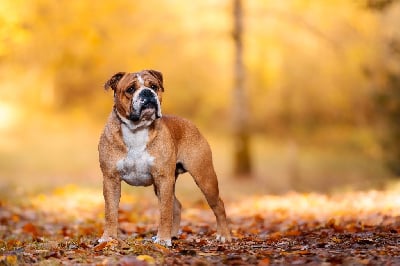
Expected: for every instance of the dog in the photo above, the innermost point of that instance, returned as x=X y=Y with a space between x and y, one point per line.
x=142 y=147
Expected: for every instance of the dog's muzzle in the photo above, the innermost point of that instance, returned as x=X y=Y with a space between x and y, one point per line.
x=144 y=105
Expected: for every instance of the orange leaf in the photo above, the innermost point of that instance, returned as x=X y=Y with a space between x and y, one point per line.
x=187 y=229
x=293 y=233
x=15 y=218
x=264 y=262
x=258 y=218
x=30 y=229
x=331 y=222
x=11 y=260
x=275 y=236
x=100 y=246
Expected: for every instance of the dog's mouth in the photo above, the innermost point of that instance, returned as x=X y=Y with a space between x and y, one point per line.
x=149 y=105
x=148 y=111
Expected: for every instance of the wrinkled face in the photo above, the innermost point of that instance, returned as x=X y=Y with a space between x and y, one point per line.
x=137 y=95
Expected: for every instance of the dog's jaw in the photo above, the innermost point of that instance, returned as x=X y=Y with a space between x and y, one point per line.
x=142 y=96
x=133 y=126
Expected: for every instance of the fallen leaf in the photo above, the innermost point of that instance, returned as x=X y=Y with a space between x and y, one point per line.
x=132 y=261
x=275 y=236
x=30 y=229
x=11 y=260
x=264 y=262
x=149 y=259
x=100 y=246
x=272 y=232
x=293 y=233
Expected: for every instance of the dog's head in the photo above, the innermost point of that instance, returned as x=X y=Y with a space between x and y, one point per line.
x=137 y=96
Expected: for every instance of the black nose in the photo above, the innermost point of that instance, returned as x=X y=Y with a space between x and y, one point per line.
x=148 y=99
x=146 y=94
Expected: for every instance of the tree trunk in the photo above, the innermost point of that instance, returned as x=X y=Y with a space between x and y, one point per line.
x=242 y=160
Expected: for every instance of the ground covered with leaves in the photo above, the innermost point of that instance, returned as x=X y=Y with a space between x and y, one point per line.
x=355 y=228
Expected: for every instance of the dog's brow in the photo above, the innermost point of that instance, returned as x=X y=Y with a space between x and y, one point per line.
x=140 y=79
x=132 y=84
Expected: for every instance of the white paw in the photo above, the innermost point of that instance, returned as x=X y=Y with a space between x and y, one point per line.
x=163 y=242
x=105 y=239
x=221 y=239
x=177 y=235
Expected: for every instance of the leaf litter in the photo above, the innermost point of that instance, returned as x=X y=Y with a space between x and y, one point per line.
x=360 y=228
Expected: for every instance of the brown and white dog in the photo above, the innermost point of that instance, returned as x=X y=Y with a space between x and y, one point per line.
x=142 y=147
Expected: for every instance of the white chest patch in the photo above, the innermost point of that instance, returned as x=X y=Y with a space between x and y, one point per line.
x=135 y=167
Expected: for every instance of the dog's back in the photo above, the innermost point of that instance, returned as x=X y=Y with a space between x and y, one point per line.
x=185 y=135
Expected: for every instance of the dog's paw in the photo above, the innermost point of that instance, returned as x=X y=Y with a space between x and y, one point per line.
x=223 y=239
x=177 y=235
x=105 y=239
x=163 y=242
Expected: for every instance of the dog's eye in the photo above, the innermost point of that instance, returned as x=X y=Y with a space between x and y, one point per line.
x=154 y=87
x=130 y=90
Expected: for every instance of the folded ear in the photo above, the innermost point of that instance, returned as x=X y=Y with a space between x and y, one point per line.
x=158 y=75
x=113 y=81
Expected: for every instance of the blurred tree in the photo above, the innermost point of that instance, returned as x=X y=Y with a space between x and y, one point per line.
x=242 y=160
x=386 y=76
x=379 y=4
x=387 y=101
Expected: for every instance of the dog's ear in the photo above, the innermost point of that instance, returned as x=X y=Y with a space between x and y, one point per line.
x=158 y=75
x=113 y=81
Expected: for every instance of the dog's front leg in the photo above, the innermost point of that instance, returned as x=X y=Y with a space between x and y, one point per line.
x=112 y=195
x=165 y=193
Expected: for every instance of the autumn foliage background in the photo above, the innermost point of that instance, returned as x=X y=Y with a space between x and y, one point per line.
x=322 y=85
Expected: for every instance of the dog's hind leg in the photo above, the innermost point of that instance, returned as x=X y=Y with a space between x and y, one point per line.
x=206 y=179
x=176 y=217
